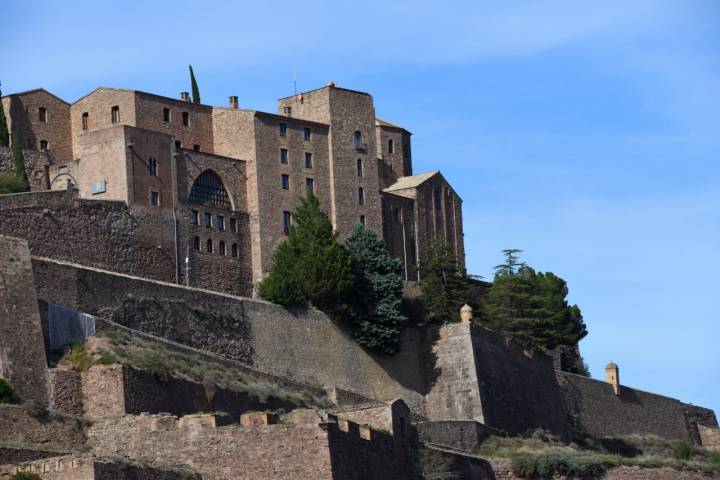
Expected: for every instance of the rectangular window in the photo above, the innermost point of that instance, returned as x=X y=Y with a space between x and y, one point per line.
x=154 y=199
x=285 y=181
x=196 y=147
x=308 y=160
x=85 y=118
x=115 y=114
x=166 y=114
x=306 y=134
x=43 y=145
x=152 y=167
x=42 y=114
x=282 y=129
x=310 y=185
x=287 y=222
x=283 y=155
x=207 y=220
x=186 y=118
x=233 y=225
x=220 y=220
x=195 y=218
x=287 y=111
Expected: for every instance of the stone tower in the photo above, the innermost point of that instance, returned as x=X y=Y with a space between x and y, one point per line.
x=612 y=376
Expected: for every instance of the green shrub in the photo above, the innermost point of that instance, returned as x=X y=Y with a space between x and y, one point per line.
x=25 y=476
x=35 y=408
x=10 y=183
x=80 y=358
x=682 y=450
x=7 y=393
x=545 y=465
x=714 y=458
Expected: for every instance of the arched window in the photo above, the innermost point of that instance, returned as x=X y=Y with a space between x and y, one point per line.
x=357 y=140
x=391 y=146
x=221 y=248
x=234 y=250
x=208 y=189
x=209 y=246
x=196 y=243
x=359 y=167
x=361 y=196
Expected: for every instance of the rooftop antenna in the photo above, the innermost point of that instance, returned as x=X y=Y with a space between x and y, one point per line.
x=294 y=81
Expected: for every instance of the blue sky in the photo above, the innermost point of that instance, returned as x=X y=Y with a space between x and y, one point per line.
x=585 y=133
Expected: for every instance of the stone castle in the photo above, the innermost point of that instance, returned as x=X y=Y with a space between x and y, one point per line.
x=230 y=177
x=149 y=250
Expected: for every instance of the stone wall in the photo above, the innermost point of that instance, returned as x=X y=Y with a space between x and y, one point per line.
x=65 y=390
x=503 y=471
x=86 y=467
x=114 y=390
x=22 y=353
x=19 y=427
x=135 y=240
x=595 y=409
x=709 y=437
x=294 y=449
x=465 y=435
x=304 y=345
x=13 y=455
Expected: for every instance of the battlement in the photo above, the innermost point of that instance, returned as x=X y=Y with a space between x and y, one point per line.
x=49 y=466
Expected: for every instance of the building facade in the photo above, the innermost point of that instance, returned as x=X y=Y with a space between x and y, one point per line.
x=231 y=177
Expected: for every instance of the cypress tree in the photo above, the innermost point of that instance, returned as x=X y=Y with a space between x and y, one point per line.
x=310 y=266
x=194 y=86
x=19 y=163
x=377 y=307
x=4 y=134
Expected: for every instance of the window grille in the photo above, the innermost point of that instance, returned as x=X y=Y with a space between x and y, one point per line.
x=208 y=189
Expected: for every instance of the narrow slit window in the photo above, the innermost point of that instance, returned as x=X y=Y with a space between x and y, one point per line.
x=85 y=120
x=220 y=221
x=166 y=115
x=391 y=146
x=221 y=248
x=207 y=220
x=287 y=222
x=186 y=118
x=359 y=167
x=115 y=114
x=285 y=181
x=196 y=243
x=310 y=185
x=42 y=114
x=234 y=250
x=306 y=134
x=283 y=156
x=209 y=245
x=152 y=167
x=361 y=196
x=308 y=160
x=195 y=218
x=282 y=129
x=357 y=140
x=362 y=219
x=233 y=225
x=155 y=199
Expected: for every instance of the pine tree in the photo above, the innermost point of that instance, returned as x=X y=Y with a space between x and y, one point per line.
x=4 y=134
x=377 y=307
x=19 y=163
x=194 y=87
x=445 y=286
x=310 y=266
x=531 y=306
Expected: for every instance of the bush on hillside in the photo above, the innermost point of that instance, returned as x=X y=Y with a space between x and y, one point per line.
x=7 y=393
x=682 y=450
x=10 y=183
x=25 y=476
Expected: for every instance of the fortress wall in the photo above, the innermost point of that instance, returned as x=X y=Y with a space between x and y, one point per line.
x=304 y=345
x=518 y=390
x=18 y=426
x=108 y=234
x=135 y=391
x=65 y=391
x=22 y=352
x=595 y=409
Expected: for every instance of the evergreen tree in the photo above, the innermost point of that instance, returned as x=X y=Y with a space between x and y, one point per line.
x=531 y=306
x=194 y=87
x=445 y=286
x=19 y=164
x=310 y=266
x=377 y=306
x=4 y=134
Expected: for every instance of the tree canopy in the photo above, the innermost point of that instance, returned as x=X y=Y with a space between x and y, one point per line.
x=445 y=286
x=377 y=306
x=310 y=266
x=531 y=306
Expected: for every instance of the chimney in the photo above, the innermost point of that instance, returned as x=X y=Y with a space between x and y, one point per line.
x=233 y=102
x=612 y=376
x=185 y=96
x=331 y=84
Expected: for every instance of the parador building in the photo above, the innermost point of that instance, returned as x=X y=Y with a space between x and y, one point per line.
x=223 y=181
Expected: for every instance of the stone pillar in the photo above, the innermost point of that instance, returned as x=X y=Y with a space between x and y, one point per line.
x=466 y=313
x=22 y=346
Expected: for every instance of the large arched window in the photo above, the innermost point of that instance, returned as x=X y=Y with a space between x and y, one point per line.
x=208 y=189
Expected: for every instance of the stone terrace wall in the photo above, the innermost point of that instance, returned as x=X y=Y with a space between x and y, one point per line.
x=305 y=346
x=114 y=390
x=18 y=426
x=595 y=409
x=85 y=467
x=519 y=391
x=12 y=455
x=465 y=435
x=65 y=389
x=22 y=352
x=503 y=471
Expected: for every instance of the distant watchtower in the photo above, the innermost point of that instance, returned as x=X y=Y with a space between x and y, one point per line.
x=612 y=376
